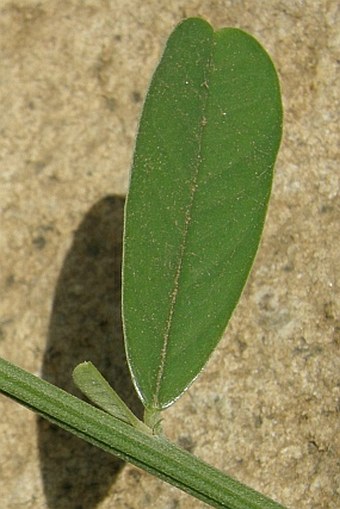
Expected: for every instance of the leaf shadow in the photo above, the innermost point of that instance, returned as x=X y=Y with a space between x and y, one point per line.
x=86 y=324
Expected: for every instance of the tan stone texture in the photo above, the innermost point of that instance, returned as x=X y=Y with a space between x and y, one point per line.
x=73 y=76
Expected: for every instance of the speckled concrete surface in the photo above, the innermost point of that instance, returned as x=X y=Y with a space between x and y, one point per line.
x=72 y=78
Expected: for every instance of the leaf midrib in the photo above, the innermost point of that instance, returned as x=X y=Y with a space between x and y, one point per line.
x=187 y=221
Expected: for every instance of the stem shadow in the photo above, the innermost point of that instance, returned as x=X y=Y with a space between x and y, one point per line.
x=86 y=325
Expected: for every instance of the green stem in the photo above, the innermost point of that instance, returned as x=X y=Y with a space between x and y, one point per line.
x=151 y=453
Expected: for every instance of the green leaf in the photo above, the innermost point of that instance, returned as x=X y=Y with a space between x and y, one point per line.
x=200 y=184
x=92 y=383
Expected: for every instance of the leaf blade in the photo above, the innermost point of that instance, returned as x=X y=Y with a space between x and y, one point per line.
x=92 y=383
x=198 y=195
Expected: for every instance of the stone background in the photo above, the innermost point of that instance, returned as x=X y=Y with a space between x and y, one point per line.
x=73 y=75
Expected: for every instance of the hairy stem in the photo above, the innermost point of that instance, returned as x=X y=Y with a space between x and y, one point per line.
x=151 y=453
